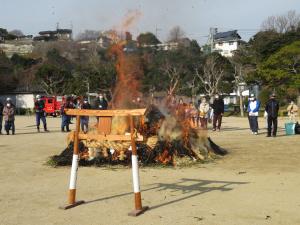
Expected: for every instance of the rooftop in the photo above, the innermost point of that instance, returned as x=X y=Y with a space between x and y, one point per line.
x=227 y=36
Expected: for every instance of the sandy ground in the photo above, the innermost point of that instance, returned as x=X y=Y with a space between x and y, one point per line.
x=257 y=183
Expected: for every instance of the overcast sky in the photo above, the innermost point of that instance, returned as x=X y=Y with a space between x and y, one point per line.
x=194 y=16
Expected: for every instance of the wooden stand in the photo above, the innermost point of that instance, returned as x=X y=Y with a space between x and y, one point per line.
x=104 y=130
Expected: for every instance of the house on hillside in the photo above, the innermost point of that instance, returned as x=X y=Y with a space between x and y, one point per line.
x=56 y=35
x=21 y=46
x=104 y=42
x=226 y=42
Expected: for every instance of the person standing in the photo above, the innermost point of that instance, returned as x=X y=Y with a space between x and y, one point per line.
x=272 y=108
x=203 y=113
x=292 y=111
x=9 y=118
x=84 y=120
x=1 y=116
x=253 y=109
x=66 y=119
x=218 y=107
x=40 y=114
x=101 y=102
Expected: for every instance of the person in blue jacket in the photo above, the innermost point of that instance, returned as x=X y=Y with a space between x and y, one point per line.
x=253 y=109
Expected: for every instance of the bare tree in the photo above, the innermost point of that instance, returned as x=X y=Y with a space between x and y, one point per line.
x=17 y=33
x=211 y=75
x=175 y=34
x=282 y=23
x=88 y=35
x=173 y=74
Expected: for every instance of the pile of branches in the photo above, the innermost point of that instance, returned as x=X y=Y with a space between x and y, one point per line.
x=167 y=142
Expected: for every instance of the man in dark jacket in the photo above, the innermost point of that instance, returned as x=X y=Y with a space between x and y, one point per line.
x=101 y=103
x=1 y=116
x=272 y=108
x=218 y=107
x=39 y=106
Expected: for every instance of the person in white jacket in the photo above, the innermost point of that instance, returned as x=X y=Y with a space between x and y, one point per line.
x=253 y=109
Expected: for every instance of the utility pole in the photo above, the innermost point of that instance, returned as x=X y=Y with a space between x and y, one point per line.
x=212 y=33
x=88 y=89
x=240 y=84
x=156 y=31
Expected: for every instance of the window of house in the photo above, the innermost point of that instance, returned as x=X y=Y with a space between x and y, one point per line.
x=231 y=43
x=220 y=43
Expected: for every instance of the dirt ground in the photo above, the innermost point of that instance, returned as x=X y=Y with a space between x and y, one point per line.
x=256 y=183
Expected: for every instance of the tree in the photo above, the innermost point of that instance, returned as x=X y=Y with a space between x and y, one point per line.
x=8 y=81
x=88 y=35
x=170 y=71
x=53 y=80
x=216 y=70
x=17 y=33
x=175 y=34
x=147 y=39
x=282 y=69
x=282 y=23
x=55 y=74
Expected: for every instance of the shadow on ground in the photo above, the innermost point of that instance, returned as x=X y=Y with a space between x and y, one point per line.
x=188 y=188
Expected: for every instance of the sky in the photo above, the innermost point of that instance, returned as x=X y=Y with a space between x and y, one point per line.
x=195 y=17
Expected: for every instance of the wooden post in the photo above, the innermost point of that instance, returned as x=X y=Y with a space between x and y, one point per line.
x=73 y=177
x=135 y=175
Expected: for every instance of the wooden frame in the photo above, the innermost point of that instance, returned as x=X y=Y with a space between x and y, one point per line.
x=104 y=135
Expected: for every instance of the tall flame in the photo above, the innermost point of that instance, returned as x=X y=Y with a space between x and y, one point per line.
x=129 y=72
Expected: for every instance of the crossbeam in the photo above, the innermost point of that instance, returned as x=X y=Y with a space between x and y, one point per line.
x=108 y=137
x=104 y=113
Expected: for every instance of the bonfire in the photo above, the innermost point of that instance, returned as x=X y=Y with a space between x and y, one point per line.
x=163 y=136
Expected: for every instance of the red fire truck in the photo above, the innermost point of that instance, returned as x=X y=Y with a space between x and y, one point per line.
x=53 y=104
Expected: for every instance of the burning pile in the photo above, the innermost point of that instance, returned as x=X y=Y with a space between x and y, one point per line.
x=167 y=141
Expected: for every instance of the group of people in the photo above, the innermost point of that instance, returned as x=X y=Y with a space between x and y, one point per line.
x=70 y=103
x=197 y=114
x=271 y=114
x=201 y=113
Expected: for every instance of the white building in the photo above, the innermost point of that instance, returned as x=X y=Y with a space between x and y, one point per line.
x=226 y=42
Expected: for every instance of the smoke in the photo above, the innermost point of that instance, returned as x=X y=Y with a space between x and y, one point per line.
x=130 y=19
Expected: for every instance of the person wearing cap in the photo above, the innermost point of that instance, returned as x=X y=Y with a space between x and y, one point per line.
x=272 y=108
x=8 y=100
x=9 y=117
x=253 y=109
x=84 y=120
x=40 y=114
x=218 y=110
